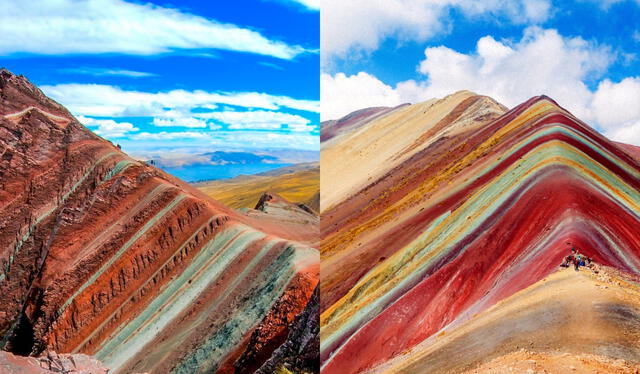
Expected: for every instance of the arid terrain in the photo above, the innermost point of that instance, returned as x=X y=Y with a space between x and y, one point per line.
x=299 y=183
x=110 y=257
x=443 y=225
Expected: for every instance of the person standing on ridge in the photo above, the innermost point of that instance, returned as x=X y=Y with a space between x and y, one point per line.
x=569 y=259
x=578 y=259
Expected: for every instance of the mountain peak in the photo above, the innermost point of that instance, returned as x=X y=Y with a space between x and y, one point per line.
x=451 y=202
x=93 y=244
x=18 y=94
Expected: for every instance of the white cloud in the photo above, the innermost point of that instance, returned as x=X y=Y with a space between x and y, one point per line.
x=108 y=72
x=259 y=119
x=361 y=25
x=111 y=101
x=341 y=94
x=224 y=140
x=616 y=110
x=179 y=122
x=116 y=26
x=542 y=62
x=108 y=128
x=309 y=4
x=187 y=109
x=164 y=135
x=626 y=133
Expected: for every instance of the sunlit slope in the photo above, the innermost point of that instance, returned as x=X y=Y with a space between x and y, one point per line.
x=362 y=156
x=485 y=211
x=244 y=192
x=354 y=231
x=108 y=256
x=584 y=320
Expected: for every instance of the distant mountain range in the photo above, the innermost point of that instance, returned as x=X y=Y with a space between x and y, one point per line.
x=220 y=157
x=186 y=158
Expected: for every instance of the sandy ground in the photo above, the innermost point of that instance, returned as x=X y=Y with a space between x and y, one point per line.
x=582 y=322
x=527 y=362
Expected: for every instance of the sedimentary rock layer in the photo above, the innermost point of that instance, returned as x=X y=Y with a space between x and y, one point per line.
x=475 y=205
x=105 y=255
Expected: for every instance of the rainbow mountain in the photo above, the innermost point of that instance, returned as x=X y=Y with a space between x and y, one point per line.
x=107 y=256
x=440 y=220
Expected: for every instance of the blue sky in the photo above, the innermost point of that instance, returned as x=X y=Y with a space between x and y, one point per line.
x=184 y=76
x=583 y=53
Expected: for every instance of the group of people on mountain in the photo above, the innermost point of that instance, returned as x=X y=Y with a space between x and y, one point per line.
x=576 y=259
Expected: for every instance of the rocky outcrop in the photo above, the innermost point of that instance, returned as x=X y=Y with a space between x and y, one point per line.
x=314 y=202
x=50 y=362
x=300 y=351
x=108 y=256
x=301 y=222
x=298 y=183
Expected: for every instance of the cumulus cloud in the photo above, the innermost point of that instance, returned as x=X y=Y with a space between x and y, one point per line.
x=241 y=112
x=542 y=62
x=341 y=94
x=112 y=101
x=361 y=25
x=309 y=4
x=117 y=26
x=260 y=119
x=616 y=110
x=108 y=128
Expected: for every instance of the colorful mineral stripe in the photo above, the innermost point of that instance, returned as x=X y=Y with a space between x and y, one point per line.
x=481 y=208
x=108 y=256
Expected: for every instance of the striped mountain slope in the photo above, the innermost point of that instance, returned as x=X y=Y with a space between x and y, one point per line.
x=473 y=207
x=568 y=322
x=107 y=256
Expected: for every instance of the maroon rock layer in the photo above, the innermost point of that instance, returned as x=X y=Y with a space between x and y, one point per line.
x=96 y=247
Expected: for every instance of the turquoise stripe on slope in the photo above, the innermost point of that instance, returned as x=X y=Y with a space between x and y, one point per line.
x=49 y=211
x=207 y=266
x=207 y=357
x=121 y=251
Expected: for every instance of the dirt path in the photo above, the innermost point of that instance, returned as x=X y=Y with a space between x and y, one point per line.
x=586 y=320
